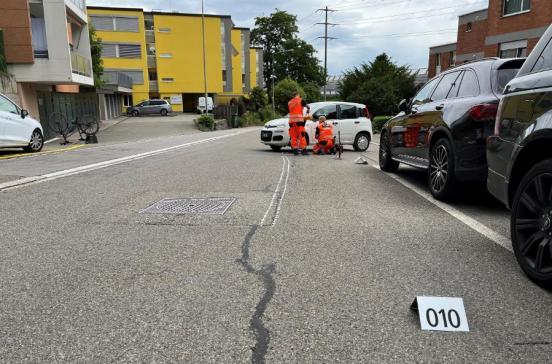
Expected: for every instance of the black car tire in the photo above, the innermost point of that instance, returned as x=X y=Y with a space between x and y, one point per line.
x=360 y=141
x=386 y=163
x=135 y=113
x=531 y=223
x=276 y=148
x=36 y=143
x=440 y=174
x=164 y=112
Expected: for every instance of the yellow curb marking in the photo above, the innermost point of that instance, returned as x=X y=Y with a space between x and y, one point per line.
x=53 y=151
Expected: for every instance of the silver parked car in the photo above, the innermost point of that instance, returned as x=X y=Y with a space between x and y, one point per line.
x=150 y=107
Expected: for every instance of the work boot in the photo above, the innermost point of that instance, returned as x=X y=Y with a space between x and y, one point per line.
x=305 y=152
x=295 y=152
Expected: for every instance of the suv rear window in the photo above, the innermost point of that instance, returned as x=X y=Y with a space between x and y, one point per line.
x=505 y=74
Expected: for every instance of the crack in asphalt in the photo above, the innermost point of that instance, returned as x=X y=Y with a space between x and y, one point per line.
x=265 y=273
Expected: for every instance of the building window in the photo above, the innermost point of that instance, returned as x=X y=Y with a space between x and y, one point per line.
x=165 y=55
x=167 y=79
x=121 y=51
x=148 y=24
x=136 y=75
x=127 y=100
x=152 y=74
x=452 y=58
x=115 y=23
x=469 y=27
x=516 y=6
x=164 y=30
x=224 y=78
x=515 y=49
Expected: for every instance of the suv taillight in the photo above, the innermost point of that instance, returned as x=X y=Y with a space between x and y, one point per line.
x=484 y=112
x=366 y=113
x=498 y=120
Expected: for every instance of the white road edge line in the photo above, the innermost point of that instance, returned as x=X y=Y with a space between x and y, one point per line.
x=277 y=191
x=489 y=233
x=91 y=167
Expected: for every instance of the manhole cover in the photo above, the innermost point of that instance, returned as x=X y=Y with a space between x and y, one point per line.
x=216 y=206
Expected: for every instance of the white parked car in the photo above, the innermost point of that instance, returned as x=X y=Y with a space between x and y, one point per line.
x=18 y=129
x=351 y=121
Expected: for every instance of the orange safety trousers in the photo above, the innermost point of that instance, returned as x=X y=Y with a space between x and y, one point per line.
x=297 y=135
x=325 y=139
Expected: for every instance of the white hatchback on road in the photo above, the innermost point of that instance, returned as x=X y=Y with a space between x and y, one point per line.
x=350 y=120
x=18 y=129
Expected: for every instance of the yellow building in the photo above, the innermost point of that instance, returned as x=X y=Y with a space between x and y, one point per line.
x=169 y=61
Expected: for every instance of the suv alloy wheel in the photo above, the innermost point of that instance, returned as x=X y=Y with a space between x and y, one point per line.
x=36 y=143
x=442 y=181
x=531 y=223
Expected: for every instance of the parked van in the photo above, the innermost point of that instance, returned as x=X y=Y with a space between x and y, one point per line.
x=201 y=105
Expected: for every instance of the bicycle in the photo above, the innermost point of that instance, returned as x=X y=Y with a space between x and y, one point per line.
x=87 y=126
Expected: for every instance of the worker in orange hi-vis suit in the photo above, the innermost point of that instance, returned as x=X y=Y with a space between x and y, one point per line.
x=324 y=136
x=297 y=125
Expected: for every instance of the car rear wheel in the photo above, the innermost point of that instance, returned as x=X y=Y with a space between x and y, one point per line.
x=531 y=223
x=164 y=112
x=135 y=113
x=387 y=164
x=36 y=143
x=442 y=181
x=362 y=142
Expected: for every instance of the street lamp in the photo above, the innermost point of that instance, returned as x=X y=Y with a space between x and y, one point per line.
x=204 y=56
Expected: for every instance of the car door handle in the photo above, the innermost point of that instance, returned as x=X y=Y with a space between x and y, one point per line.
x=357 y=122
x=335 y=123
x=440 y=107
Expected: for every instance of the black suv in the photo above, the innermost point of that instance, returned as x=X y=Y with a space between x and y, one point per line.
x=520 y=160
x=444 y=127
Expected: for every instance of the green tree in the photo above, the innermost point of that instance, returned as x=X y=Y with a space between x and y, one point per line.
x=312 y=92
x=297 y=60
x=258 y=98
x=284 y=91
x=285 y=55
x=97 y=62
x=380 y=84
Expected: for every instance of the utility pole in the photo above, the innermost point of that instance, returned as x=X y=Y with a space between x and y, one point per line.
x=204 y=58
x=326 y=38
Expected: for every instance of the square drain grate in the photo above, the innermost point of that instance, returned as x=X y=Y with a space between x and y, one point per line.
x=214 y=206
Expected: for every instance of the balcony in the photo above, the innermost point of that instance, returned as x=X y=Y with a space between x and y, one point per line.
x=154 y=86
x=150 y=36
x=81 y=4
x=118 y=79
x=152 y=62
x=80 y=65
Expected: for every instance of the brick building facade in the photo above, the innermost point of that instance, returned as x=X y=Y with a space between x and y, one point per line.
x=506 y=29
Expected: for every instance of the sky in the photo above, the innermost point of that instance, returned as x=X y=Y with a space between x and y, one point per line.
x=404 y=29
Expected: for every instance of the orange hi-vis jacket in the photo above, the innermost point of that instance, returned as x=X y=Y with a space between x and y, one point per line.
x=295 y=110
x=324 y=132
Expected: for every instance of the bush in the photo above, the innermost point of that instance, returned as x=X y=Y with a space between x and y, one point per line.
x=250 y=118
x=312 y=92
x=205 y=123
x=284 y=91
x=378 y=122
x=266 y=114
x=258 y=99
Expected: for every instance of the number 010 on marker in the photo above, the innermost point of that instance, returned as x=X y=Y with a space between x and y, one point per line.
x=442 y=314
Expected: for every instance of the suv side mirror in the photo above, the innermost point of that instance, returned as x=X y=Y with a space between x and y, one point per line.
x=24 y=113
x=403 y=105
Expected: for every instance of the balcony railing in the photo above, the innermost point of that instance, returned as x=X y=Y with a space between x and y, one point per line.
x=118 y=79
x=152 y=61
x=80 y=65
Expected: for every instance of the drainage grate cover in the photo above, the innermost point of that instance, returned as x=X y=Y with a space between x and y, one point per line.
x=214 y=206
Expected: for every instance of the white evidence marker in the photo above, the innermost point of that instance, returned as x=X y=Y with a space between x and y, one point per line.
x=441 y=313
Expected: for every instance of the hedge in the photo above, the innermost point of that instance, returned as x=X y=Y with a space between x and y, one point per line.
x=378 y=122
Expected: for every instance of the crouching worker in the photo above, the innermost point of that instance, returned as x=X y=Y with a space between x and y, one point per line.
x=324 y=136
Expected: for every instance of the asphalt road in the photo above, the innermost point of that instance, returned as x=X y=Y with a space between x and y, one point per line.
x=317 y=260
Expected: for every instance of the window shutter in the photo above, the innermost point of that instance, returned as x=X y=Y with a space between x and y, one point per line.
x=102 y=22
x=130 y=51
x=109 y=50
x=127 y=24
